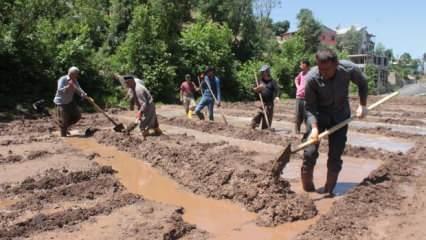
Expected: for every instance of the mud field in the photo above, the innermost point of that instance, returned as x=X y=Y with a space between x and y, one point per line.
x=208 y=180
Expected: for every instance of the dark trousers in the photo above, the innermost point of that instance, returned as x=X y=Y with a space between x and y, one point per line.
x=260 y=116
x=300 y=113
x=336 y=146
x=68 y=114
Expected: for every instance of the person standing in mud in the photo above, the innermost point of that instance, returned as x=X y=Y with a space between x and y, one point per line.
x=187 y=95
x=146 y=115
x=67 y=110
x=299 y=82
x=131 y=98
x=269 y=90
x=210 y=87
x=327 y=104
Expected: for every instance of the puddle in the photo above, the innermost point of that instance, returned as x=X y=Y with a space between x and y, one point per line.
x=223 y=219
x=394 y=127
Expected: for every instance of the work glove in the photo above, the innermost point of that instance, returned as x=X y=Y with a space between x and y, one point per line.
x=277 y=100
x=314 y=135
x=362 y=111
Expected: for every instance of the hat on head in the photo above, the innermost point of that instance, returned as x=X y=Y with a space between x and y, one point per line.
x=128 y=77
x=264 y=68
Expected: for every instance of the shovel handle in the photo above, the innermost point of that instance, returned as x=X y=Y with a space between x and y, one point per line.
x=99 y=109
x=342 y=124
x=261 y=101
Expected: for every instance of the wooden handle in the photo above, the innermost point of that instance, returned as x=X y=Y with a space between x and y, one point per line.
x=261 y=101
x=342 y=124
x=99 y=109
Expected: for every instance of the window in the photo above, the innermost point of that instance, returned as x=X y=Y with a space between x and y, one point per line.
x=333 y=38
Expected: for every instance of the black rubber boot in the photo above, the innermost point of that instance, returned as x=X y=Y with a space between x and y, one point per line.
x=330 y=183
x=307 y=176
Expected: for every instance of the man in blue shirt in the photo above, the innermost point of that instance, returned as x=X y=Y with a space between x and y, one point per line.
x=210 y=88
x=67 y=111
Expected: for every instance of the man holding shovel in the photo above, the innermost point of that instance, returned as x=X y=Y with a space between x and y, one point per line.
x=146 y=115
x=327 y=104
x=67 y=111
x=268 y=92
x=210 y=88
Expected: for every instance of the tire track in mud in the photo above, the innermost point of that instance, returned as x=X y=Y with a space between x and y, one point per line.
x=219 y=171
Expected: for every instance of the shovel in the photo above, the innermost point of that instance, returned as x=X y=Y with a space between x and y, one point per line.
x=263 y=105
x=132 y=126
x=215 y=101
x=118 y=127
x=284 y=157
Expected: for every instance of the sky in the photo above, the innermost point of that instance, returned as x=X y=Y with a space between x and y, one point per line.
x=399 y=25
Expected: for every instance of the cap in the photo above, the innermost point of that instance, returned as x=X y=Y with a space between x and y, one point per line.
x=264 y=68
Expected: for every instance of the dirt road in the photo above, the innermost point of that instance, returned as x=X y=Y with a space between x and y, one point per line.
x=206 y=180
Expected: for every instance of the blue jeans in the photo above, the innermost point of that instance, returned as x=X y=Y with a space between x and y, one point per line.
x=205 y=101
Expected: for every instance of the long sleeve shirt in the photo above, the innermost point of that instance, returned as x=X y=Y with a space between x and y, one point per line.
x=270 y=92
x=64 y=94
x=143 y=96
x=214 y=84
x=331 y=96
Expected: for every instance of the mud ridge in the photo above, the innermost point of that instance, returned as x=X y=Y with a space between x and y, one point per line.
x=375 y=195
x=218 y=171
x=269 y=137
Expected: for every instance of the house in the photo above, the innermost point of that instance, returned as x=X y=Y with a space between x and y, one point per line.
x=380 y=62
x=327 y=37
x=367 y=43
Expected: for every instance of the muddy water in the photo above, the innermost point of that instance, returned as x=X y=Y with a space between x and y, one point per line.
x=223 y=219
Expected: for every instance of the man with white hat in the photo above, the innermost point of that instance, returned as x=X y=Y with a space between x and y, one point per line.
x=269 y=90
x=67 y=111
x=146 y=114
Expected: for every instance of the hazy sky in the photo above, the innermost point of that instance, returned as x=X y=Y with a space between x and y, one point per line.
x=400 y=25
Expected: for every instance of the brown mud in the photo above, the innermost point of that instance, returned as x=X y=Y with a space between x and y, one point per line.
x=218 y=171
x=63 y=202
x=270 y=137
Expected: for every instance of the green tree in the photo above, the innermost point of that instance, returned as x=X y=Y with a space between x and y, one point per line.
x=208 y=43
x=350 y=41
x=146 y=55
x=309 y=30
x=280 y=27
x=405 y=59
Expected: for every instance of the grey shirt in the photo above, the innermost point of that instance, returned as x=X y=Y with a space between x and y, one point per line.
x=64 y=94
x=143 y=96
x=331 y=96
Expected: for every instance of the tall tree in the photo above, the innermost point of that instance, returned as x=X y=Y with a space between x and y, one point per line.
x=280 y=27
x=350 y=41
x=309 y=30
x=405 y=59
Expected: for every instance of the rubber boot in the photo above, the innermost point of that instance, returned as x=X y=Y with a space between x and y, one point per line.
x=190 y=114
x=200 y=115
x=307 y=175
x=157 y=131
x=64 y=132
x=330 y=184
